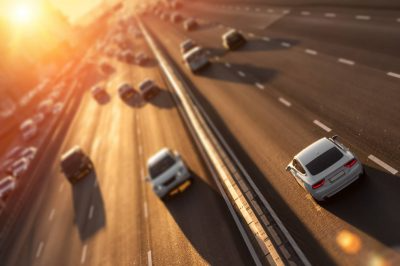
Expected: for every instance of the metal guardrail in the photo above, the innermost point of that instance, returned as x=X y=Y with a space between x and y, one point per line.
x=271 y=242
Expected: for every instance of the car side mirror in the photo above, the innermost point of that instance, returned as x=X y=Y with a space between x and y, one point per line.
x=288 y=168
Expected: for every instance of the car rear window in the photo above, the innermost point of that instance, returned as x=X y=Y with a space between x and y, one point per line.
x=161 y=166
x=324 y=161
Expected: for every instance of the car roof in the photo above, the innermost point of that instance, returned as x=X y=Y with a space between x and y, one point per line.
x=158 y=156
x=145 y=82
x=71 y=151
x=314 y=150
x=186 y=42
x=229 y=32
x=192 y=51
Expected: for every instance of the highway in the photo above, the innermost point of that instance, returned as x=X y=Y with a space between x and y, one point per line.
x=289 y=86
x=112 y=217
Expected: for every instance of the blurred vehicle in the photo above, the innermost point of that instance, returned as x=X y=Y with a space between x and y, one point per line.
x=45 y=106
x=141 y=58
x=109 y=52
x=14 y=152
x=127 y=92
x=233 y=39
x=196 y=59
x=7 y=185
x=28 y=129
x=168 y=173
x=149 y=89
x=176 y=4
x=106 y=68
x=100 y=94
x=190 y=24
x=38 y=118
x=164 y=16
x=18 y=167
x=29 y=153
x=75 y=164
x=187 y=45
x=325 y=167
x=57 y=108
x=176 y=17
x=128 y=56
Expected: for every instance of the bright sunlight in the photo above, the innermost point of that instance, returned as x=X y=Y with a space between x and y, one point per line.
x=22 y=13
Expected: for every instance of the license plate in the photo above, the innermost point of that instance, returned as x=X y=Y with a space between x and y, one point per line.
x=184 y=186
x=336 y=177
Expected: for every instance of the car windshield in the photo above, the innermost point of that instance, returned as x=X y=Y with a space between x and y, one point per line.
x=324 y=161
x=161 y=166
x=233 y=37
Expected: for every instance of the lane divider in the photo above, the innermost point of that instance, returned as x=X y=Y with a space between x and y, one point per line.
x=311 y=52
x=285 y=102
x=346 y=61
x=321 y=125
x=363 y=17
x=274 y=248
x=392 y=74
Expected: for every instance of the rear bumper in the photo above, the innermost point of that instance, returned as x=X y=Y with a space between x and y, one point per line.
x=174 y=188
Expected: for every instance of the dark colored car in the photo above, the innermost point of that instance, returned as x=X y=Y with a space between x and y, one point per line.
x=75 y=164
x=233 y=39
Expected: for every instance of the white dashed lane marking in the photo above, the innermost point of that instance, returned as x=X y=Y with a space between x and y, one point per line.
x=363 y=17
x=91 y=210
x=270 y=11
x=83 y=257
x=305 y=13
x=242 y=74
x=259 y=85
x=311 y=52
x=266 y=39
x=228 y=65
x=39 y=250
x=398 y=19
x=286 y=11
x=251 y=35
x=286 y=44
x=285 y=102
x=383 y=164
x=51 y=216
x=392 y=74
x=146 y=212
x=346 y=61
x=149 y=259
x=330 y=15
x=321 y=125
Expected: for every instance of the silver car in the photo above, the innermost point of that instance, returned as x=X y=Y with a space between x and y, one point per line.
x=325 y=167
x=196 y=59
x=168 y=173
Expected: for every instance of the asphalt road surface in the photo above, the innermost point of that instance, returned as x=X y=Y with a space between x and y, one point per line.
x=112 y=217
x=286 y=88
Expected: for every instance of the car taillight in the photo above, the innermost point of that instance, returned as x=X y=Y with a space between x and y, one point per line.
x=350 y=163
x=318 y=184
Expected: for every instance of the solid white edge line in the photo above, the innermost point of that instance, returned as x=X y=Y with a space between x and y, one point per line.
x=259 y=85
x=346 y=61
x=321 y=125
x=83 y=256
x=363 y=17
x=285 y=102
x=242 y=74
x=149 y=259
x=311 y=52
x=383 y=164
x=392 y=74
x=39 y=250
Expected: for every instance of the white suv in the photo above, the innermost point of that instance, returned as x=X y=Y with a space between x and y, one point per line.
x=168 y=173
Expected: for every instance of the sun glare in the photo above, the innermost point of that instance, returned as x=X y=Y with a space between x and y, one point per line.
x=22 y=13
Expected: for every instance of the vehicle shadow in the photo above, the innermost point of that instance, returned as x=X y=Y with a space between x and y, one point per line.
x=89 y=212
x=193 y=215
x=253 y=73
x=162 y=100
x=370 y=205
x=302 y=235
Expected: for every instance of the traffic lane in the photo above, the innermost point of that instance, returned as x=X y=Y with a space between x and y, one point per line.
x=371 y=43
x=178 y=234
x=292 y=74
x=282 y=145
